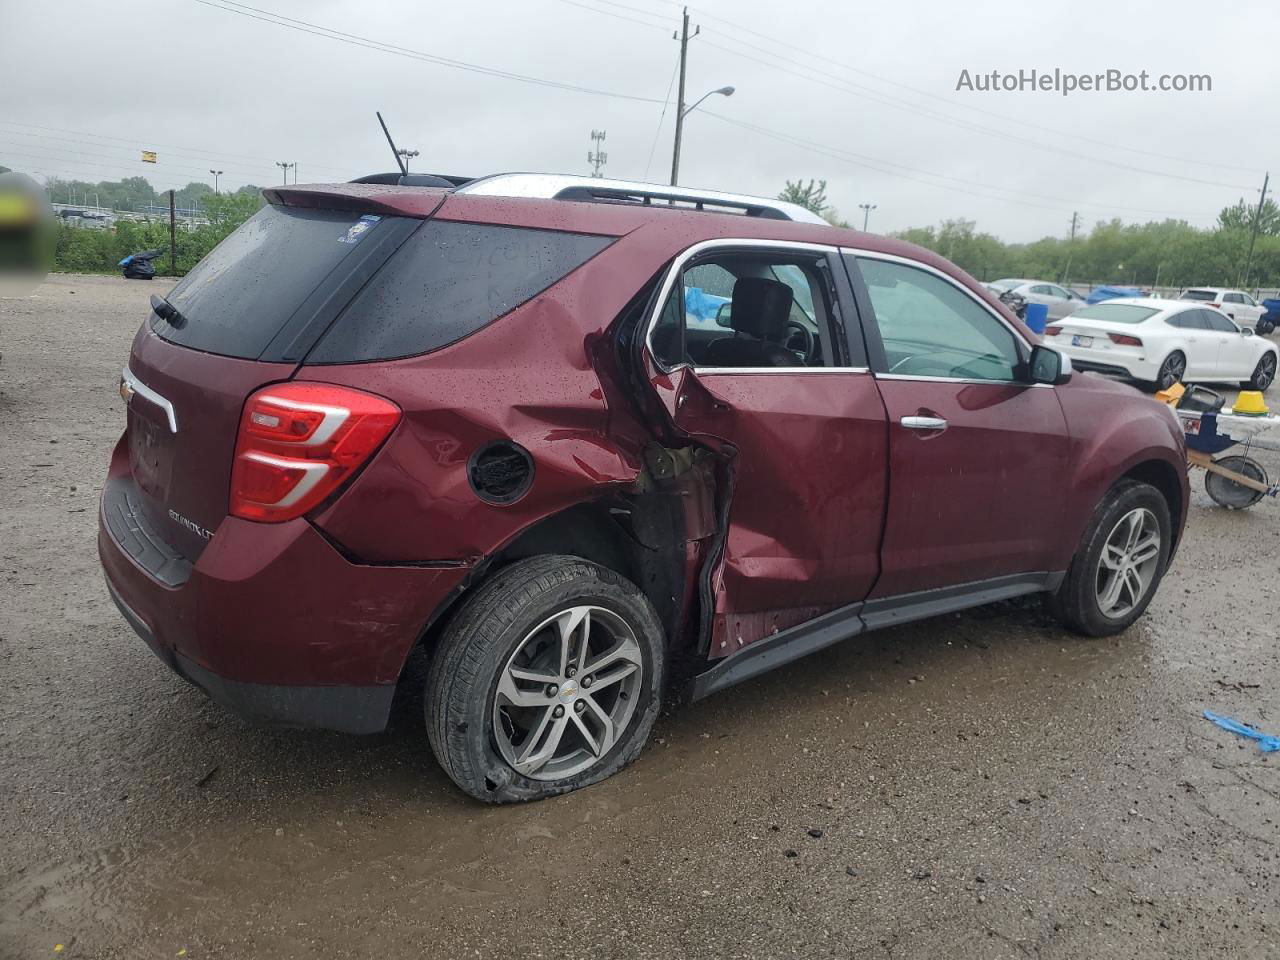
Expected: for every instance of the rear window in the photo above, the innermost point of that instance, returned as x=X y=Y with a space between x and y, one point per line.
x=447 y=281
x=1115 y=313
x=249 y=286
x=1198 y=295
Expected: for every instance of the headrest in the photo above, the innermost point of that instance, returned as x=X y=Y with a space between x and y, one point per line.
x=761 y=308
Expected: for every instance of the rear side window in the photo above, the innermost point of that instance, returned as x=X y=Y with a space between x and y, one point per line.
x=448 y=281
x=244 y=292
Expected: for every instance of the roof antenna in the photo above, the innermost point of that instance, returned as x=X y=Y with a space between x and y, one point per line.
x=400 y=161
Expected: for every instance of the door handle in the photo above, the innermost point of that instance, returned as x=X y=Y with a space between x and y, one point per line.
x=924 y=423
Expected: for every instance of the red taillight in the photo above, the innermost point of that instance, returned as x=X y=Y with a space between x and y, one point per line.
x=1124 y=339
x=298 y=442
x=1052 y=331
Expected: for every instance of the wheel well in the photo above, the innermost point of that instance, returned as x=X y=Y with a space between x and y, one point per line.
x=640 y=537
x=1164 y=477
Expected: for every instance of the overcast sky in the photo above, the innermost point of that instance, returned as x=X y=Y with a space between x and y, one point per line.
x=862 y=95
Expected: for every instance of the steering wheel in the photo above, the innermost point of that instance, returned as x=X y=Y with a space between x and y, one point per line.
x=805 y=335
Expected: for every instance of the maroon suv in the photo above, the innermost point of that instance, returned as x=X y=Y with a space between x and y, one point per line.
x=591 y=442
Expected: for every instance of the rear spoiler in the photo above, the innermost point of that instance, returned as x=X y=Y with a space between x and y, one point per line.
x=447 y=180
x=390 y=200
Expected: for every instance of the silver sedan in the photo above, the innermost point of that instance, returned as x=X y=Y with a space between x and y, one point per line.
x=1060 y=301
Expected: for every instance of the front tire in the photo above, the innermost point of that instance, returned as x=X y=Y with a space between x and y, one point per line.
x=1264 y=374
x=549 y=678
x=1120 y=563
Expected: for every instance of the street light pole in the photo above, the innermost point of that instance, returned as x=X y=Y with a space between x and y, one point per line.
x=684 y=112
x=284 y=168
x=216 y=175
x=408 y=155
x=866 y=209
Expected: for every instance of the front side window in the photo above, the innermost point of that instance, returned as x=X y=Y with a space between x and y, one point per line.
x=931 y=328
x=745 y=310
x=1218 y=322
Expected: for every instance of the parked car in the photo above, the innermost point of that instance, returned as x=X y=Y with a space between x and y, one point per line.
x=1236 y=304
x=1164 y=341
x=480 y=420
x=1060 y=301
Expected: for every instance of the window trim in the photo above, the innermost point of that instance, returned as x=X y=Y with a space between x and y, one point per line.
x=1021 y=343
x=675 y=271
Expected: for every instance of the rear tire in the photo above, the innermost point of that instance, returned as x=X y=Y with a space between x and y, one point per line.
x=1171 y=371
x=509 y=680
x=1129 y=538
x=1264 y=374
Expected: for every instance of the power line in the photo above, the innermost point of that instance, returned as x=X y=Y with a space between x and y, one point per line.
x=813 y=55
x=304 y=26
x=61 y=155
x=840 y=85
x=665 y=103
x=196 y=152
x=129 y=154
x=896 y=170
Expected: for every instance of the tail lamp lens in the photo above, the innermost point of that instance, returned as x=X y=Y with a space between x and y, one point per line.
x=1052 y=331
x=1124 y=340
x=298 y=442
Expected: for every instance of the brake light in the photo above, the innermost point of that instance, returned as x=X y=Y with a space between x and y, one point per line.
x=298 y=442
x=1052 y=331
x=1124 y=339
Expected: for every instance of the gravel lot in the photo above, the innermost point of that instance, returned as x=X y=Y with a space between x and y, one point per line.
x=982 y=785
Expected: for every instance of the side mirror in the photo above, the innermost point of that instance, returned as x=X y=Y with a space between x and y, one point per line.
x=1247 y=331
x=1049 y=366
x=722 y=315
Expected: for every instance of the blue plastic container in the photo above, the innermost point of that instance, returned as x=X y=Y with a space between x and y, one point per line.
x=1036 y=317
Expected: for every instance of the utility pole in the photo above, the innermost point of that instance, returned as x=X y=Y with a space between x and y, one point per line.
x=866 y=209
x=284 y=167
x=683 y=37
x=173 y=238
x=216 y=175
x=1071 y=245
x=1257 y=221
x=599 y=158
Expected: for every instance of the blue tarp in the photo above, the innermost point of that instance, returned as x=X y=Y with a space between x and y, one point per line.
x=1098 y=294
x=702 y=306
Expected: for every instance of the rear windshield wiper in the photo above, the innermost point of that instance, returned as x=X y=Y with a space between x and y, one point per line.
x=167 y=312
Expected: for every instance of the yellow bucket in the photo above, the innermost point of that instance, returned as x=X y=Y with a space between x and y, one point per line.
x=1250 y=403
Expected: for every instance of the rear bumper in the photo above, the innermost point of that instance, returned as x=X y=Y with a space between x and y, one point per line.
x=346 y=709
x=275 y=623
x=1115 y=363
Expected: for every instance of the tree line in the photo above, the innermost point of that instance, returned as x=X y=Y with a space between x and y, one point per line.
x=1166 y=253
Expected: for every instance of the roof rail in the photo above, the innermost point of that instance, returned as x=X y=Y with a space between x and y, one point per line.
x=591 y=189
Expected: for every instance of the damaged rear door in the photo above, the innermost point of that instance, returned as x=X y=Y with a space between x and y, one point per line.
x=747 y=351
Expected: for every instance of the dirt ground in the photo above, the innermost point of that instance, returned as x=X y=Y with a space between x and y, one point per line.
x=982 y=785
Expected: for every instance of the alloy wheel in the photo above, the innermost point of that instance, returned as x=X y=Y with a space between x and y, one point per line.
x=1266 y=371
x=567 y=693
x=1129 y=562
x=1174 y=367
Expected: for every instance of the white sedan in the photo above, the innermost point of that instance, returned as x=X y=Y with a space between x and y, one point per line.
x=1164 y=341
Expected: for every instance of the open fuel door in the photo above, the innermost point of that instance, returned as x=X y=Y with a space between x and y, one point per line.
x=748 y=353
